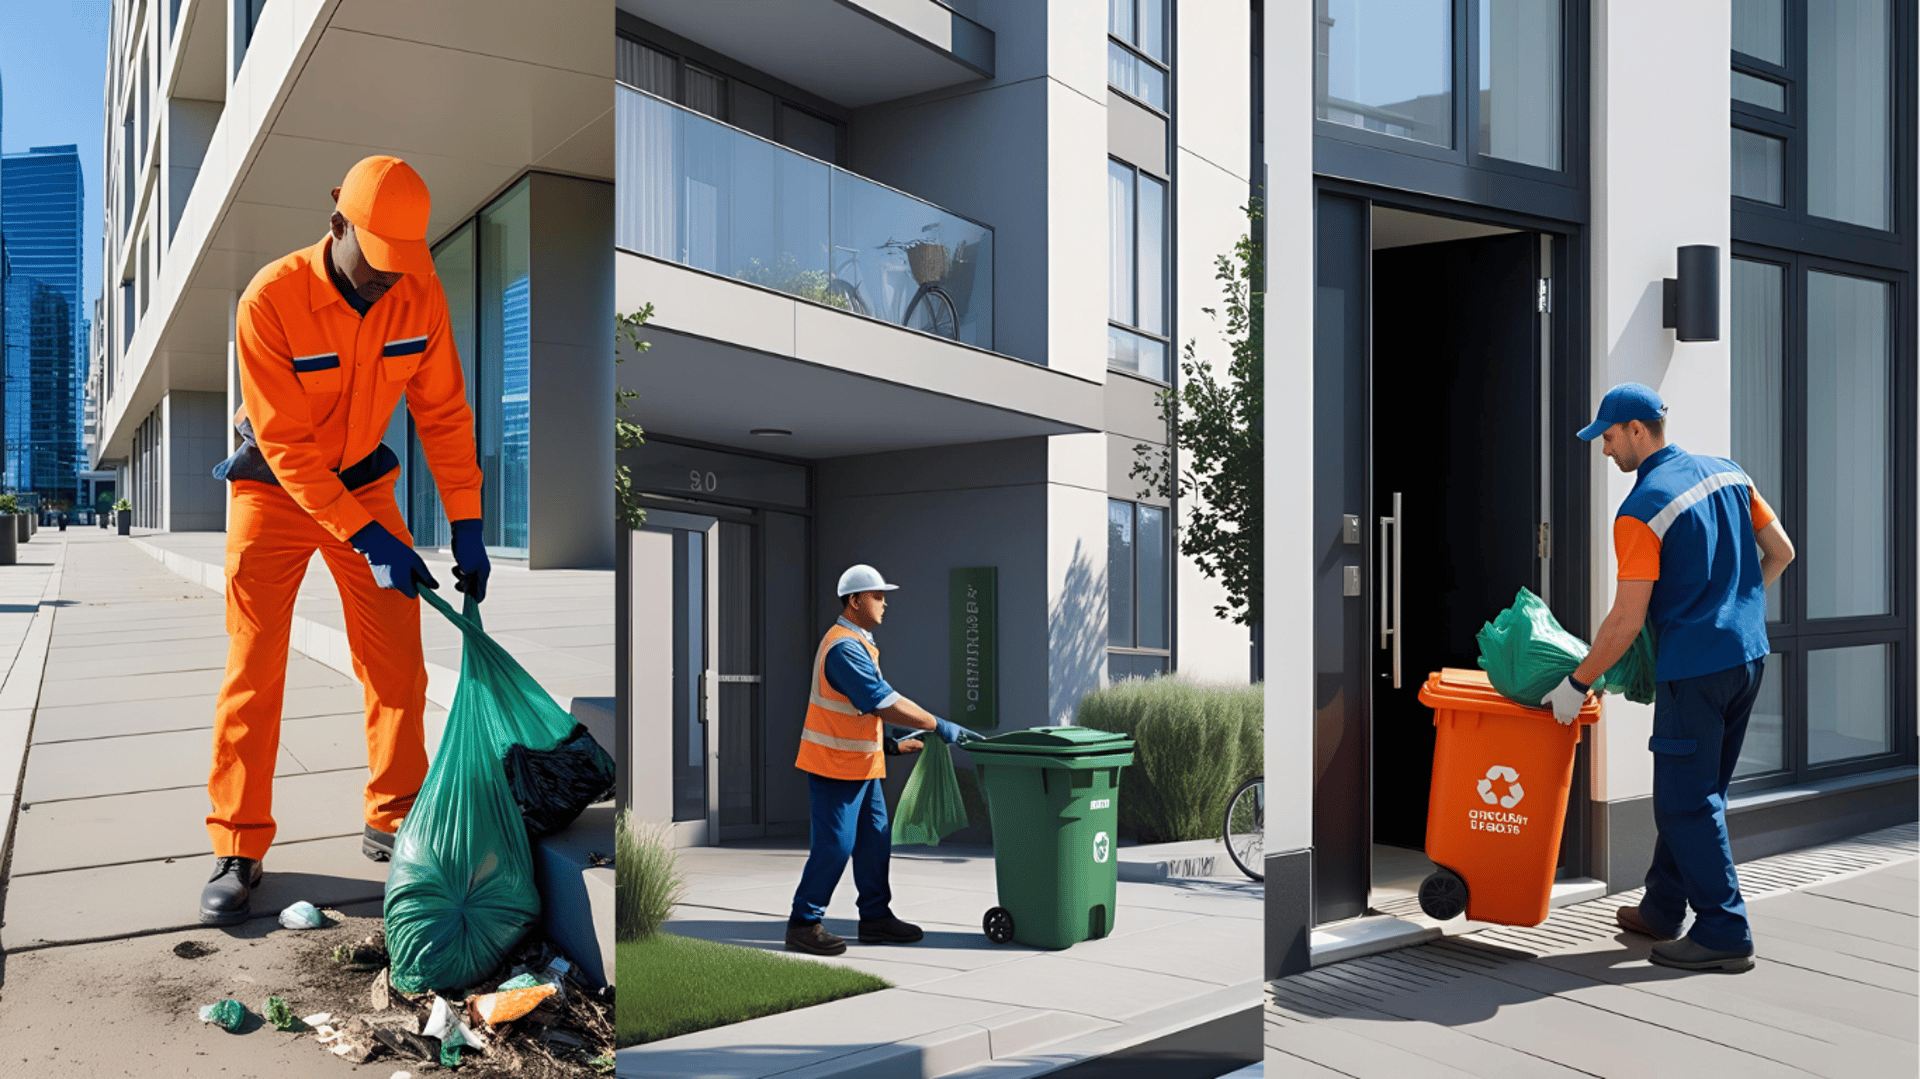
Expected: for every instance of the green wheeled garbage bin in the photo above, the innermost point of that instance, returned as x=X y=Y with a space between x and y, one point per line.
x=1053 y=795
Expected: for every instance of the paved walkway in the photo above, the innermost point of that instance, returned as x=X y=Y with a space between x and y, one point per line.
x=109 y=839
x=1182 y=952
x=558 y=624
x=1835 y=991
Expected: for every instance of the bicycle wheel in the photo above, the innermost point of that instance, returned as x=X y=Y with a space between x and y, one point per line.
x=844 y=296
x=1245 y=828
x=932 y=311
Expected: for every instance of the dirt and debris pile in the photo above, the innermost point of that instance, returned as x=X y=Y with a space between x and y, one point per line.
x=533 y=1018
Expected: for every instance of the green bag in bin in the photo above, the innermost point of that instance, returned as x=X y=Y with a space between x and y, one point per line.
x=1526 y=653
x=460 y=890
x=930 y=808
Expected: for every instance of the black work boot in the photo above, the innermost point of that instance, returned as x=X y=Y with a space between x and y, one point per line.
x=813 y=938
x=888 y=930
x=224 y=901
x=376 y=844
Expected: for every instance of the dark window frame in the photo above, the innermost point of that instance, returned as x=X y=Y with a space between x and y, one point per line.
x=1166 y=272
x=1791 y=227
x=1136 y=648
x=1461 y=171
x=1794 y=635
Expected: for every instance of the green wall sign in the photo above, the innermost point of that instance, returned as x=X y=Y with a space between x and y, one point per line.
x=973 y=647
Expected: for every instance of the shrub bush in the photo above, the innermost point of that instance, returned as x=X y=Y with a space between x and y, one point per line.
x=1193 y=744
x=647 y=880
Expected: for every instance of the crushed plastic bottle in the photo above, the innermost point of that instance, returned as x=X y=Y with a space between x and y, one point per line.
x=229 y=1015
x=303 y=915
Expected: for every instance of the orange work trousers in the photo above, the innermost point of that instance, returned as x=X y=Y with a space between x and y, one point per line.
x=270 y=541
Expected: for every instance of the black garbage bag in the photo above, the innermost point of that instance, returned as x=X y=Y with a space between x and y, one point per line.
x=554 y=785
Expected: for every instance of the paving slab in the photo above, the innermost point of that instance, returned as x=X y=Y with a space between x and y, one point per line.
x=69 y=722
x=91 y=904
x=1442 y=1045
x=1901 y=931
x=142 y=762
x=1886 y=893
x=147 y=825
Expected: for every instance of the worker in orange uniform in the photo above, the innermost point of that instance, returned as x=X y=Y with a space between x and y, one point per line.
x=843 y=752
x=329 y=338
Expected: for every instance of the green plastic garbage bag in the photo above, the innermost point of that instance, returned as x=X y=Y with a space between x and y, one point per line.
x=930 y=808
x=1526 y=653
x=460 y=890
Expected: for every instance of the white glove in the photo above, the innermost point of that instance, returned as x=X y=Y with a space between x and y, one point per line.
x=1566 y=700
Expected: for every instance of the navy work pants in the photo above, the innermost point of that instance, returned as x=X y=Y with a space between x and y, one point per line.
x=849 y=821
x=1698 y=726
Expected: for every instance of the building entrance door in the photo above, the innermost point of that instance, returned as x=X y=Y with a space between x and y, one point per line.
x=1429 y=347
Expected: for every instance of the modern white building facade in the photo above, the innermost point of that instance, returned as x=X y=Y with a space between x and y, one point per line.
x=228 y=122
x=1473 y=205
x=918 y=271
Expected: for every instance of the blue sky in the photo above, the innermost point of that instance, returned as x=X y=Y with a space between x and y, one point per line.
x=53 y=63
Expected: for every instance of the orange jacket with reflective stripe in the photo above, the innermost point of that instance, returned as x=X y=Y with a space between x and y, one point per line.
x=838 y=742
x=320 y=383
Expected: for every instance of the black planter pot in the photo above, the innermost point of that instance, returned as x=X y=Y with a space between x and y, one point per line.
x=22 y=527
x=9 y=543
x=125 y=520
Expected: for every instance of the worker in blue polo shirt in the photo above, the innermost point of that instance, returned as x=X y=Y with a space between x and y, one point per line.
x=1686 y=563
x=843 y=750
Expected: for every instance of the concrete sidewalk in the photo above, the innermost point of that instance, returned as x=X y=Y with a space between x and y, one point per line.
x=109 y=840
x=558 y=624
x=1182 y=952
x=1834 y=993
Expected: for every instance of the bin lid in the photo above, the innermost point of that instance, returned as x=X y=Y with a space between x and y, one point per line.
x=1054 y=742
x=1472 y=691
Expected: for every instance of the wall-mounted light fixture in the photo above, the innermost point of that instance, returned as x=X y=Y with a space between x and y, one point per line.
x=1691 y=302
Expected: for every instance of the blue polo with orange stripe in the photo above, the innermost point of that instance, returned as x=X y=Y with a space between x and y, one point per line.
x=1688 y=526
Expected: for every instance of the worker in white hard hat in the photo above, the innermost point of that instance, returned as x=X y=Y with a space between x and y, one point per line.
x=843 y=750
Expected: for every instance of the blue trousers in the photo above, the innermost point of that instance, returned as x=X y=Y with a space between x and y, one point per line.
x=1698 y=727
x=849 y=821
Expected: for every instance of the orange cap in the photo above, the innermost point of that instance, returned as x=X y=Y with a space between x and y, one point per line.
x=388 y=204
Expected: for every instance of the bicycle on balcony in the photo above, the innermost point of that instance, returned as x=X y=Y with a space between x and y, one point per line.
x=931 y=310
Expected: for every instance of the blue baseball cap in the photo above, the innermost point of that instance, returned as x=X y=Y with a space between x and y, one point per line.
x=1627 y=401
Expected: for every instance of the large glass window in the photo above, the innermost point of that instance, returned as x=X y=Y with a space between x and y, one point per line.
x=1848 y=389
x=501 y=400
x=1520 y=81
x=1849 y=119
x=1848 y=703
x=1136 y=271
x=1760 y=29
x=1138 y=576
x=1387 y=67
x=1756 y=340
x=1758 y=167
x=1137 y=50
x=455 y=263
x=1764 y=748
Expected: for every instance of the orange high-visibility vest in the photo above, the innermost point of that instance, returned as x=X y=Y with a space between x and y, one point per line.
x=838 y=742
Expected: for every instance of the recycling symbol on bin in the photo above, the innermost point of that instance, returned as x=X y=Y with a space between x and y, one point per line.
x=1514 y=792
x=1101 y=847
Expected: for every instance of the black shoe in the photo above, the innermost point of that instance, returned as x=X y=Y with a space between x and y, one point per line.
x=888 y=930
x=813 y=938
x=376 y=844
x=224 y=901
x=1689 y=954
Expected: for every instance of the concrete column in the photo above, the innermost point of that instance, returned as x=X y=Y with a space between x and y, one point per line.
x=570 y=383
x=192 y=430
x=1288 y=50
x=1661 y=179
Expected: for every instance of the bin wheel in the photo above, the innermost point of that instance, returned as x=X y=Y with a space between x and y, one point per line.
x=999 y=925
x=1443 y=894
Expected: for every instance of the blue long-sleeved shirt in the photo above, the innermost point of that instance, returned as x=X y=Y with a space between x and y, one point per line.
x=850 y=670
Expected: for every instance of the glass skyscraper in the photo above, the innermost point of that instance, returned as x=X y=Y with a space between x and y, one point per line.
x=42 y=385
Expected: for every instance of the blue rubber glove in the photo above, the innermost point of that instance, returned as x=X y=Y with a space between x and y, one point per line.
x=470 y=565
x=395 y=565
x=953 y=733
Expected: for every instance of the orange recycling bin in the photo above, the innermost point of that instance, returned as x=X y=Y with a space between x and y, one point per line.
x=1501 y=772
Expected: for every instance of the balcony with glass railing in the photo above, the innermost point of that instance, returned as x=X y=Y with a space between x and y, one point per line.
x=697 y=192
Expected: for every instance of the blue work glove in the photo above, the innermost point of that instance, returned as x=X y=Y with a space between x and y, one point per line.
x=953 y=733
x=1566 y=699
x=470 y=564
x=395 y=565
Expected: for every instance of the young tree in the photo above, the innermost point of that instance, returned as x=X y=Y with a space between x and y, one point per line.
x=626 y=433
x=1214 y=426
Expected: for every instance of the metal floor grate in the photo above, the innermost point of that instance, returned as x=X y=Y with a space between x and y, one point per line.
x=1364 y=982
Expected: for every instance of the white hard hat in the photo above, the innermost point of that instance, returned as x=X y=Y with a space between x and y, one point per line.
x=863 y=578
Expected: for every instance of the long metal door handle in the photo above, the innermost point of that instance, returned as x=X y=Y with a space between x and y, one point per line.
x=705 y=676
x=1399 y=531
x=1386 y=627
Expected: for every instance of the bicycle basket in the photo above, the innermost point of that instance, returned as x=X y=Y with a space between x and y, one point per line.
x=928 y=261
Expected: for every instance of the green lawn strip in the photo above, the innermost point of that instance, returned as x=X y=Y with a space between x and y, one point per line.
x=671 y=985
